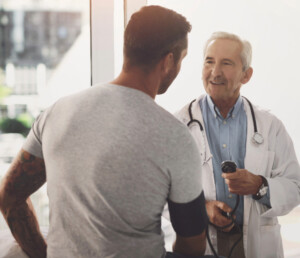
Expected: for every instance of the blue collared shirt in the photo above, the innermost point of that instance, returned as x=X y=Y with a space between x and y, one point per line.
x=224 y=137
x=227 y=141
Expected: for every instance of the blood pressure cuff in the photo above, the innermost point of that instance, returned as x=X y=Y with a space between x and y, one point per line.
x=189 y=219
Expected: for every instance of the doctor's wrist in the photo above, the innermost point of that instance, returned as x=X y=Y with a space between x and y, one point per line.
x=259 y=182
x=262 y=189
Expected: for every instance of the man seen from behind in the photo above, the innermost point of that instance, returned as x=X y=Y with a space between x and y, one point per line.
x=112 y=158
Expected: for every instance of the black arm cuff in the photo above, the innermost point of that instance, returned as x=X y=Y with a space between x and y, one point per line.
x=189 y=219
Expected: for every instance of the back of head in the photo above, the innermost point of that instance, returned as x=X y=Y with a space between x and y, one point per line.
x=246 y=53
x=151 y=33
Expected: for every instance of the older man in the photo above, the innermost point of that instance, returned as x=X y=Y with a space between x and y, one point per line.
x=226 y=127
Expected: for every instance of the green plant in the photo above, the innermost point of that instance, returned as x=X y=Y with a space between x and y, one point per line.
x=26 y=119
x=13 y=125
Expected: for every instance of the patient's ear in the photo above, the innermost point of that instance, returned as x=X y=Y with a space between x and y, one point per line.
x=247 y=75
x=167 y=62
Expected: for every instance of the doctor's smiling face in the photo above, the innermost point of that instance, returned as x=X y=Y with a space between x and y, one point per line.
x=223 y=73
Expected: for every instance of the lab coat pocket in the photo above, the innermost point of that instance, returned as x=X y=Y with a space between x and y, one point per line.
x=267 y=163
x=261 y=208
x=259 y=162
x=271 y=244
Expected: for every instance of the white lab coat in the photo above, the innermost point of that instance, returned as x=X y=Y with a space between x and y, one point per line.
x=275 y=159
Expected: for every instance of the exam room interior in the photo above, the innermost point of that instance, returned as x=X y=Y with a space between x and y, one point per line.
x=272 y=27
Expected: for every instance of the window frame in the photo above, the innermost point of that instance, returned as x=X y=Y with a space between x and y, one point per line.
x=102 y=22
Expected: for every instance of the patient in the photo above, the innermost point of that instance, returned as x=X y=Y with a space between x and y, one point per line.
x=112 y=158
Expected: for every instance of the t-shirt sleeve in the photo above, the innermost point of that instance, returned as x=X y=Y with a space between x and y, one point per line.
x=33 y=142
x=186 y=199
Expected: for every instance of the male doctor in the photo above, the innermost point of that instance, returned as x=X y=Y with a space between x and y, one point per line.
x=267 y=177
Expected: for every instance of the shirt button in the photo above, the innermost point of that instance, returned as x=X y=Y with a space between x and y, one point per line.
x=230 y=195
x=224 y=145
x=224 y=122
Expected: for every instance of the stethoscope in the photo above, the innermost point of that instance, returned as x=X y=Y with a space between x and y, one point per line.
x=257 y=138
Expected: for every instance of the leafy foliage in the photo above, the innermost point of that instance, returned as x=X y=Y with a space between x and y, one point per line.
x=13 y=125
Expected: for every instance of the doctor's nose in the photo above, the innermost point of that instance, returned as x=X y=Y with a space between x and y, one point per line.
x=216 y=70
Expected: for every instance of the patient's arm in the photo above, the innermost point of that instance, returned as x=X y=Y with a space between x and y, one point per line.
x=25 y=175
x=194 y=246
x=189 y=221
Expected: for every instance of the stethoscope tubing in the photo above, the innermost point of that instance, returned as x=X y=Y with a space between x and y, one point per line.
x=259 y=141
x=252 y=114
x=191 y=117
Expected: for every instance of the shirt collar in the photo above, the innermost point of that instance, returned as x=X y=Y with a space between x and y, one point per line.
x=233 y=111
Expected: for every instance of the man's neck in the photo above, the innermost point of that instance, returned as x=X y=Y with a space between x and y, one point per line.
x=136 y=79
x=224 y=106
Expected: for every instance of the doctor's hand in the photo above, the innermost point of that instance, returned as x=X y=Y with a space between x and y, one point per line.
x=214 y=209
x=242 y=182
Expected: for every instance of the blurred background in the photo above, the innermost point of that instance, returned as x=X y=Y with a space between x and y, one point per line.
x=44 y=55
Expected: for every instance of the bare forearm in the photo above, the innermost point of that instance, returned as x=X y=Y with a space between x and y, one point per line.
x=24 y=227
x=26 y=174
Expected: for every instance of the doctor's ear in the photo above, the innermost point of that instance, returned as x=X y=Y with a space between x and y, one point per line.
x=247 y=75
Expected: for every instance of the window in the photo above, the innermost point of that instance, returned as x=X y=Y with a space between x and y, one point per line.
x=109 y=18
x=44 y=55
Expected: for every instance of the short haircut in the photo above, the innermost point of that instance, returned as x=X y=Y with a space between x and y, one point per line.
x=246 y=53
x=153 y=32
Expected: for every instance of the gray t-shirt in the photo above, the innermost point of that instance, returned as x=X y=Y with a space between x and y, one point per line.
x=113 y=157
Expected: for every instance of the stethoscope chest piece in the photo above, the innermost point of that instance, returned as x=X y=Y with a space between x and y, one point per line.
x=257 y=138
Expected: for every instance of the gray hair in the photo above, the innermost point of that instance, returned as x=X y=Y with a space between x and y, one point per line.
x=246 y=53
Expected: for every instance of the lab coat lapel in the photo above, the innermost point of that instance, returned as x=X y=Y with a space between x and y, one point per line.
x=253 y=151
x=206 y=156
x=253 y=162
